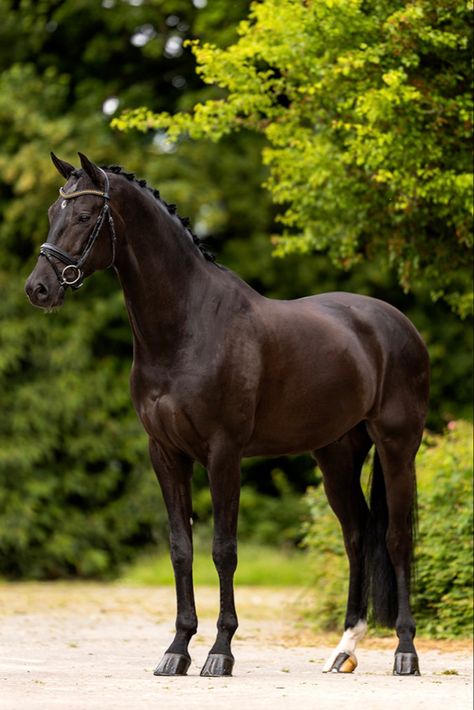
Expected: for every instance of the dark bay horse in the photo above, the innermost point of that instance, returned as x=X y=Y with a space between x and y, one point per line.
x=220 y=372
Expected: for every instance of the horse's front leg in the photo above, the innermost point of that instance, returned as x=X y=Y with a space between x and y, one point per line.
x=174 y=474
x=224 y=479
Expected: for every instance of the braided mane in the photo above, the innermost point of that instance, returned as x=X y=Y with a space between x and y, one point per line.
x=185 y=222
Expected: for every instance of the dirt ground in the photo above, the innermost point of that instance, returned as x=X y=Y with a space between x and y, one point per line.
x=84 y=647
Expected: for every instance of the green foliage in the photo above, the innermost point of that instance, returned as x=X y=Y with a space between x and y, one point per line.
x=327 y=559
x=76 y=493
x=259 y=565
x=271 y=520
x=264 y=519
x=443 y=600
x=442 y=595
x=366 y=110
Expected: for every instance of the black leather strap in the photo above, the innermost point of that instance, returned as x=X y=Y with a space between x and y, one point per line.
x=57 y=252
x=52 y=250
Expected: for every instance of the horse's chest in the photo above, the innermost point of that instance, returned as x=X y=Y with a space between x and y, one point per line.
x=164 y=415
x=159 y=413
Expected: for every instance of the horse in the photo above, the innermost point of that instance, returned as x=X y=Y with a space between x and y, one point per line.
x=220 y=373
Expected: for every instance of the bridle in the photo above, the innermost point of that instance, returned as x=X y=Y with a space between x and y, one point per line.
x=72 y=274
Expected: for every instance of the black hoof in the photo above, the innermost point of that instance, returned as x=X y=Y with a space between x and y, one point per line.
x=173 y=664
x=217 y=664
x=406 y=664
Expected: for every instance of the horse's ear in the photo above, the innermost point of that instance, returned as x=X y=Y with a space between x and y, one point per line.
x=63 y=168
x=91 y=170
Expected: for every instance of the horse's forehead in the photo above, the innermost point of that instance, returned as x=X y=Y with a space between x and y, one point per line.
x=70 y=186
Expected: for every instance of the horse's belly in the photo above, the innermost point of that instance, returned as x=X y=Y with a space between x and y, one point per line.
x=308 y=413
x=289 y=437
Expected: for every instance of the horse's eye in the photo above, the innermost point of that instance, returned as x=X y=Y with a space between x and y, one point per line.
x=84 y=217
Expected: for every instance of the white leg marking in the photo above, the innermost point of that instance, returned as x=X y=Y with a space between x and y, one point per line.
x=348 y=643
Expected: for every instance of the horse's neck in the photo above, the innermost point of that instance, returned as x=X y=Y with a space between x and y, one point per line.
x=162 y=274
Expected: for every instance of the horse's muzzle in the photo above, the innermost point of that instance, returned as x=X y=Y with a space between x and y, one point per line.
x=42 y=295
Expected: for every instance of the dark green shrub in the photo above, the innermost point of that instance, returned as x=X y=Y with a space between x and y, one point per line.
x=443 y=588
x=442 y=595
x=323 y=539
x=263 y=519
x=77 y=493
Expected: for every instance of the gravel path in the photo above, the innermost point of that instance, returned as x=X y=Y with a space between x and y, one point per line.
x=84 y=647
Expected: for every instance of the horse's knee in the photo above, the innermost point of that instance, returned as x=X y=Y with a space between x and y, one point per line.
x=224 y=554
x=181 y=553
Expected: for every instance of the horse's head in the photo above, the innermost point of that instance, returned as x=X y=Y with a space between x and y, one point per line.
x=81 y=236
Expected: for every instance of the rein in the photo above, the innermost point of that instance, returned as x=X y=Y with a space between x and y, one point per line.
x=72 y=274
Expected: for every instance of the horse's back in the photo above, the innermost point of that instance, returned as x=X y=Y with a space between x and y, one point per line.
x=377 y=327
x=355 y=310
x=349 y=318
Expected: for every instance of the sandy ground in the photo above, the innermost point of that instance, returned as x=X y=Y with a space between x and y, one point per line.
x=80 y=647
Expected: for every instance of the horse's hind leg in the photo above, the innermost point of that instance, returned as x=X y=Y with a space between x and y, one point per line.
x=174 y=475
x=341 y=463
x=396 y=450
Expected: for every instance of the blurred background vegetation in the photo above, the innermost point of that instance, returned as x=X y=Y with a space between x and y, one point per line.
x=77 y=494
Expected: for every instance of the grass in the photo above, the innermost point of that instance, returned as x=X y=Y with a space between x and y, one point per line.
x=258 y=566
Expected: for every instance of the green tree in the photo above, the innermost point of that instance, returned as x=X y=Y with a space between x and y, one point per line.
x=366 y=110
x=77 y=494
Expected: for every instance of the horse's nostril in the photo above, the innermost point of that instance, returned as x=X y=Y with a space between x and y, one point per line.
x=40 y=292
x=37 y=293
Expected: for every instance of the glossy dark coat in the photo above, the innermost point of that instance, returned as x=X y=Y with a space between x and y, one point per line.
x=220 y=372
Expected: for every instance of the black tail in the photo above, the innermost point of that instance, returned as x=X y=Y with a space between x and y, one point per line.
x=382 y=585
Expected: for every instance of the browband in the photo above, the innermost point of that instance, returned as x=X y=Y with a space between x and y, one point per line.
x=70 y=195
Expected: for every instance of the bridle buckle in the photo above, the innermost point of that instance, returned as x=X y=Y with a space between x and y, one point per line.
x=74 y=280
